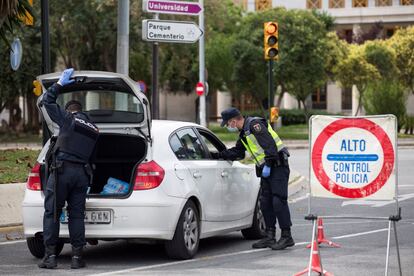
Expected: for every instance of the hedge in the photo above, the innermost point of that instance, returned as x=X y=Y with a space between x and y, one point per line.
x=291 y=116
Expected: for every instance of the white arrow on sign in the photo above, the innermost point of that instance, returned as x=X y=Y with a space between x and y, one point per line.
x=170 y=31
x=377 y=203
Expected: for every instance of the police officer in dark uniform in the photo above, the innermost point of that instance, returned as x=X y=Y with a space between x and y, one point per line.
x=69 y=178
x=271 y=158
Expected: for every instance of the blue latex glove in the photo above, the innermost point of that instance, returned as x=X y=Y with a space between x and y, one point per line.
x=266 y=171
x=65 y=77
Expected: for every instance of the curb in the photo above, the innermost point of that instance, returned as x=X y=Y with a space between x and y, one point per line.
x=11 y=198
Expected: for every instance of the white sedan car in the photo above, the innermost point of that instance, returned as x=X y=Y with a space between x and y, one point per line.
x=177 y=193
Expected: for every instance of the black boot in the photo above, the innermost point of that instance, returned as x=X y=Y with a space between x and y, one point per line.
x=285 y=240
x=268 y=241
x=49 y=260
x=77 y=261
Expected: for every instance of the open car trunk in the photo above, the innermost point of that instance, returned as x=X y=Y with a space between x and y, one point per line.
x=116 y=156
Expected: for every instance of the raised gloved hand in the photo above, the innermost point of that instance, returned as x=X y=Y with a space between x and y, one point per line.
x=65 y=77
x=266 y=171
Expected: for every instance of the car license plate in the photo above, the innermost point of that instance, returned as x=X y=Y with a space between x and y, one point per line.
x=91 y=216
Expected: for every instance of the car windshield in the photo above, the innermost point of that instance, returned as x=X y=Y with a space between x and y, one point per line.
x=107 y=106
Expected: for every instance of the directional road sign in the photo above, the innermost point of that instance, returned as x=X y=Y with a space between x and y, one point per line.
x=171 y=7
x=170 y=31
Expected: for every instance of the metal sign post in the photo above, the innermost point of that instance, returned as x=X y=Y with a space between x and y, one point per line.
x=176 y=32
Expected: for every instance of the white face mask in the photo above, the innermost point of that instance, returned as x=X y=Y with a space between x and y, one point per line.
x=232 y=129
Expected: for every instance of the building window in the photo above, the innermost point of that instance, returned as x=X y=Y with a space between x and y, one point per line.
x=336 y=4
x=406 y=2
x=346 y=98
x=314 y=4
x=389 y=33
x=359 y=3
x=262 y=5
x=383 y=3
x=319 y=98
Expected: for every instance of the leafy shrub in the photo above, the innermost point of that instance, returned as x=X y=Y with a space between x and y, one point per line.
x=386 y=97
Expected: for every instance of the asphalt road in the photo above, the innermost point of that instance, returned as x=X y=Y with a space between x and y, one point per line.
x=362 y=252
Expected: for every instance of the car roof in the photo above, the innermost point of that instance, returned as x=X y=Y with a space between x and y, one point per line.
x=171 y=124
x=168 y=126
x=90 y=73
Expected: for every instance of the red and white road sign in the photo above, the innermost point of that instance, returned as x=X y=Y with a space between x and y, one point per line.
x=200 y=88
x=353 y=157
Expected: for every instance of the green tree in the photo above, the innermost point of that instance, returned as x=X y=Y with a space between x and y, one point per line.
x=18 y=83
x=10 y=13
x=403 y=44
x=304 y=53
x=380 y=94
x=355 y=70
x=379 y=54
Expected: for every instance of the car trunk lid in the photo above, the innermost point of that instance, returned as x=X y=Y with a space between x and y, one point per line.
x=111 y=100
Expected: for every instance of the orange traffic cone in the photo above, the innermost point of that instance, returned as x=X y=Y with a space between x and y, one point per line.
x=316 y=263
x=321 y=236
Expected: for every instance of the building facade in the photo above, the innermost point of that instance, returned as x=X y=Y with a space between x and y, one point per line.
x=352 y=18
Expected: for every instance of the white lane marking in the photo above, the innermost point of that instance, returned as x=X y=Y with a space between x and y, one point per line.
x=12 y=242
x=360 y=234
x=342 y=222
x=377 y=203
x=294 y=200
x=224 y=255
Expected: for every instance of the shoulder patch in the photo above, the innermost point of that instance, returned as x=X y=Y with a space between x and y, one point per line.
x=257 y=127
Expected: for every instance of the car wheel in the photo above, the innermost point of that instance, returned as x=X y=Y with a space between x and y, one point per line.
x=258 y=228
x=37 y=248
x=184 y=244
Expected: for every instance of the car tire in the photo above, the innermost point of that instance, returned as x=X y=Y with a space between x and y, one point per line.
x=37 y=248
x=184 y=244
x=258 y=228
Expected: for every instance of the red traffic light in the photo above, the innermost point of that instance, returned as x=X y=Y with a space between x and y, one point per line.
x=200 y=88
x=271 y=28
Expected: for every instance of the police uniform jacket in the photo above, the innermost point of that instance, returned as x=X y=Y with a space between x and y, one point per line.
x=77 y=134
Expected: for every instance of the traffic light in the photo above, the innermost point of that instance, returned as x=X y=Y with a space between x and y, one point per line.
x=271 y=40
x=37 y=88
x=274 y=114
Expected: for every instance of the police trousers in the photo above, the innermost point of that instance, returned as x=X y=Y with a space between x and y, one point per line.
x=273 y=198
x=71 y=188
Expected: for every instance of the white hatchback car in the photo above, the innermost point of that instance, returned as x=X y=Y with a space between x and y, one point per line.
x=178 y=194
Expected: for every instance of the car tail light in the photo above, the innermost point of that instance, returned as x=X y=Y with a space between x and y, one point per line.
x=33 y=182
x=149 y=176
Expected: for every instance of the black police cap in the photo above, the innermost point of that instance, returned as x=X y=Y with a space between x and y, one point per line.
x=229 y=114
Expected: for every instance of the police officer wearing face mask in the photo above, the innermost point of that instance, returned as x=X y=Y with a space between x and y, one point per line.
x=271 y=158
x=69 y=178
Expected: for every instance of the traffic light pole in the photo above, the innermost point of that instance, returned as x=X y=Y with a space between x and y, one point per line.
x=270 y=87
x=44 y=26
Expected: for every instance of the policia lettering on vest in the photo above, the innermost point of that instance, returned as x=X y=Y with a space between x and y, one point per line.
x=69 y=173
x=271 y=158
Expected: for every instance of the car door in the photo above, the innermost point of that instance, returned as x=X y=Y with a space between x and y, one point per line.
x=111 y=100
x=238 y=193
x=203 y=172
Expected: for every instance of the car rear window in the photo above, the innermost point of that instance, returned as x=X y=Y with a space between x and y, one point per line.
x=105 y=106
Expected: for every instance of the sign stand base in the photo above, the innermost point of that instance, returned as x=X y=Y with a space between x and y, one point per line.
x=391 y=222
